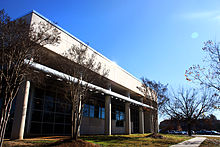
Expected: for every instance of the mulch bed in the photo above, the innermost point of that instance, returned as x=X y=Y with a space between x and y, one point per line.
x=71 y=143
x=156 y=136
x=60 y=143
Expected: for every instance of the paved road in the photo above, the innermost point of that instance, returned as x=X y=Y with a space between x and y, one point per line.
x=194 y=142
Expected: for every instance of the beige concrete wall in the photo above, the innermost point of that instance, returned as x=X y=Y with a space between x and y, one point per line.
x=92 y=126
x=116 y=74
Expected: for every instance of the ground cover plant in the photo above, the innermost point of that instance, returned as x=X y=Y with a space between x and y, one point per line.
x=100 y=140
x=134 y=140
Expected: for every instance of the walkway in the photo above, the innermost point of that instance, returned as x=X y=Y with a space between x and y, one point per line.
x=194 y=142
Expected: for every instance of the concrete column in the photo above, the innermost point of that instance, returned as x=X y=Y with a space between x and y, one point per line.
x=127 y=117
x=108 y=113
x=20 y=111
x=141 y=120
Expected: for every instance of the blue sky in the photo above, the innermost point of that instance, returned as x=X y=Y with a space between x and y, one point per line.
x=156 y=39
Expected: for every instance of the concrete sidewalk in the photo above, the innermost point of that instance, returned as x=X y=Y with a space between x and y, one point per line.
x=194 y=142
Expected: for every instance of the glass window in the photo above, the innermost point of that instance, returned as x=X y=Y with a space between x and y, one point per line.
x=119 y=118
x=37 y=103
x=101 y=112
x=39 y=93
x=68 y=108
x=47 y=128
x=59 y=118
x=68 y=119
x=37 y=115
x=49 y=96
x=35 y=128
x=60 y=107
x=67 y=129
x=96 y=115
x=48 y=117
x=86 y=110
x=91 y=111
x=59 y=129
x=49 y=106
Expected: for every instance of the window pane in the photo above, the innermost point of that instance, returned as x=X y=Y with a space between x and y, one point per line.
x=35 y=128
x=68 y=119
x=96 y=115
x=103 y=113
x=68 y=108
x=39 y=93
x=119 y=123
x=86 y=110
x=91 y=111
x=49 y=96
x=59 y=129
x=117 y=115
x=49 y=106
x=67 y=129
x=48 y=117
x=100 y=112
x=59 y=118
x=121 y=115
x=47 y=128
x=37 y=104
x=60 y=107
x=37 y=116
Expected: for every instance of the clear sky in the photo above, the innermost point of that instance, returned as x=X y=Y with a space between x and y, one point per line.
x=156 y=39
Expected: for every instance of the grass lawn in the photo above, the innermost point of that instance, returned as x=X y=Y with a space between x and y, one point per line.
x=102 y=140
x=134 y=140
x=211 y=142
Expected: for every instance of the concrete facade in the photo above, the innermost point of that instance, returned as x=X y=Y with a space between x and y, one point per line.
x=42 y=111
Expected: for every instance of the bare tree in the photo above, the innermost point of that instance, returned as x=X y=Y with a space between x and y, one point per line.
x=86 y=70
x=155 y=95
x=19 y=40
x=190 y=104
x=209 y=74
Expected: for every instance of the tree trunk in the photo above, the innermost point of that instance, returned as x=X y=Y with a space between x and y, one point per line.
x=6 y=114
x=155 y=125
x=72 y=124
x=189 y=129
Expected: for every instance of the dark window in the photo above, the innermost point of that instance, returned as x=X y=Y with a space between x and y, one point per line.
x=37 y=104
x=68 y=108
x=59 y=129
x=37 y=115
x=49 y=106
x=39 y=93
x=47 y=128
x=96 y=115
x=35 y=128
x=60 y=107
x=49 y=96
x=67 y=129
x=68 y=119
x=48 y=117
x=59 y=118
x=119 y=118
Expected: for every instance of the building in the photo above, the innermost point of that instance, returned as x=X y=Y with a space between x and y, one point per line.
x=118 y=109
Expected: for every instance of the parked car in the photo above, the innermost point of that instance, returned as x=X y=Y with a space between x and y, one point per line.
x=202 y=132
x=213 y=132
x=205 y=132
